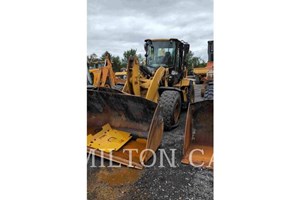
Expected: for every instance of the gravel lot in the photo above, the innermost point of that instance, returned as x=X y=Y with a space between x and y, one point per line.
x=179 y=182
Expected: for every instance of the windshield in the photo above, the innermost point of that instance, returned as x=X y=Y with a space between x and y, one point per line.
x=161 y=53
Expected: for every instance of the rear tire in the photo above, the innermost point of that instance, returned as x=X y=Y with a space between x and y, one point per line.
x=191 y=93
x=209 y=91
x=197 y=79
x=171 y=108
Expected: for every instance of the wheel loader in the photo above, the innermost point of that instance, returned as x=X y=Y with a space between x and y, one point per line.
x=163 y=78
x=198 y=137
x=151 y=100
x=207 y=81
x=102 y=72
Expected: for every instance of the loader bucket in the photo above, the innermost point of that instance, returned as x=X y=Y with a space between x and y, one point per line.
x=134 y=115
x=198 y=137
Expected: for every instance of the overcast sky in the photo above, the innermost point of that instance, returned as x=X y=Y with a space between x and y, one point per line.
x=119 y=25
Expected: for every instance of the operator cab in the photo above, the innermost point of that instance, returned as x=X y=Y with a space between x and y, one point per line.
x=168 y=53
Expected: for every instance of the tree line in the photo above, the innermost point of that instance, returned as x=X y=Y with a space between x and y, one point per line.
x=119 y=63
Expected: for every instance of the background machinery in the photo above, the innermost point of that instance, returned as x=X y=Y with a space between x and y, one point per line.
x=201 y=72
x=198 y=137
x=207 y=88
x=102 y=73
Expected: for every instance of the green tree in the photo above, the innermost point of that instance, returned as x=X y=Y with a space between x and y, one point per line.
x=93 y=56
x=126 y=56
x=202 y=62
x=116 y=63
x=141 y=58
x=194 y=61
x=102 y=58
x=92 y=60
x=190 y=60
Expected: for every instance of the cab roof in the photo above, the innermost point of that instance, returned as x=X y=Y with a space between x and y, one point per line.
x=165 y=39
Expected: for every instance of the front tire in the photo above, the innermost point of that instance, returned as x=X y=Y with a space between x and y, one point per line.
x=171 y=108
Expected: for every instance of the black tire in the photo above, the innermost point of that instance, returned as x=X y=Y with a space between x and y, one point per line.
x=171 y=108
x=209 y=91
x=92 y=77
x=197 y=79
x=191 y=93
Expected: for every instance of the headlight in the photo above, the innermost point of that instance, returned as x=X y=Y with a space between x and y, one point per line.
x=174 y=73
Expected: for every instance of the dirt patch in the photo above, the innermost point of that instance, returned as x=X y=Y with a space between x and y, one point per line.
x=119 y=176
x=111 y=183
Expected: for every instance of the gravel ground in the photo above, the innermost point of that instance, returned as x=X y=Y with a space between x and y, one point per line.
x=179 y=182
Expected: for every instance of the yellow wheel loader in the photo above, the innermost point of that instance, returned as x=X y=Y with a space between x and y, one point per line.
x=198 y=138
x=163 y=78
x=103 y=74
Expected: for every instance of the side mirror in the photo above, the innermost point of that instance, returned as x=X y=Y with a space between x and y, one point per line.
x=146 y=47
x=186 y=47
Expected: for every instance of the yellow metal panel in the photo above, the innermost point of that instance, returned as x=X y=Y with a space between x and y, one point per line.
x=145 y=83
x=185 y=82
x=96 y=74
x=103 y=76
x=152 y=93
x=120 y=73
x=89 y=139
x=108 y=139
x=200 y=71
x=135 y=77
